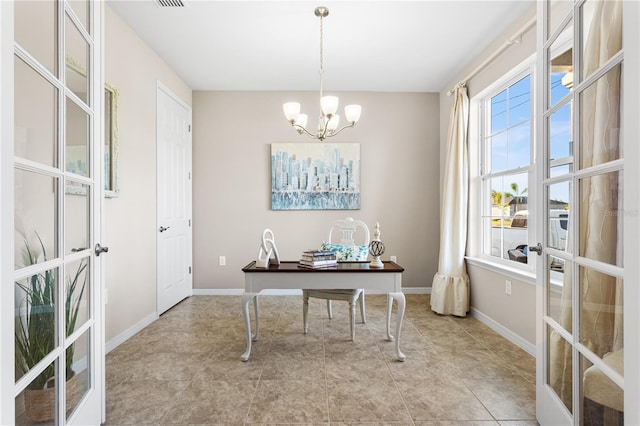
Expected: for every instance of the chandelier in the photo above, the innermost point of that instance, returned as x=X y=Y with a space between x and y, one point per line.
x=329 y=120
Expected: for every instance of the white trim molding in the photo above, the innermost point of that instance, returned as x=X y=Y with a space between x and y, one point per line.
x=514 y=338
x=130 y=332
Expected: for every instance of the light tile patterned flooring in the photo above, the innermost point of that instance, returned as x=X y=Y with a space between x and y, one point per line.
x=185 y=369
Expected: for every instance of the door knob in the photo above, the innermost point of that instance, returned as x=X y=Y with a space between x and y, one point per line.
x=99 y=249
x=163 y=228
x=536 y=249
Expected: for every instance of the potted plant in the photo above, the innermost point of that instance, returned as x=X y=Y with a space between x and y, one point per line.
x=35 y=335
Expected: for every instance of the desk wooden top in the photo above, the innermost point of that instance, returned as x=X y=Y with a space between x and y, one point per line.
x=293 y=266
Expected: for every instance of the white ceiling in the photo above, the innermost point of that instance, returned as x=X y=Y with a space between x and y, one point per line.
x=412 y=46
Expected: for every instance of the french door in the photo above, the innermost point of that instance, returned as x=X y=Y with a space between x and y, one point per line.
x=55 y=329
x=580 y=305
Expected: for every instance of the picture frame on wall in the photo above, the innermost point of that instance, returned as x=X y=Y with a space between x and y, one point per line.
x=315 y=176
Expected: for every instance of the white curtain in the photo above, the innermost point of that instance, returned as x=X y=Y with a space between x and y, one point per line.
x=600 y=294
x=450 y=287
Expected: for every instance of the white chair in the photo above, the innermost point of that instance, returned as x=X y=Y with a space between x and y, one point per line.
x=346 y=250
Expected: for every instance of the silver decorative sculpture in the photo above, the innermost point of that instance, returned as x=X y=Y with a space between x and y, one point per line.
x=267 y=250
x=376 y=248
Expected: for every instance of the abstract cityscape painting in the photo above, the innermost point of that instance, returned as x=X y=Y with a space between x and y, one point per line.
x=315 y=176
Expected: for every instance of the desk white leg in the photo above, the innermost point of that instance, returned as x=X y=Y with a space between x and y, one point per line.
x=246 y=299
x=389 y=305
x=400 y=316
x=255 y=307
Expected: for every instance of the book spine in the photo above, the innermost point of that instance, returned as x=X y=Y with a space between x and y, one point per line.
x=318 y=253
x=316 y=258
x=317 y=262
x=332 y=265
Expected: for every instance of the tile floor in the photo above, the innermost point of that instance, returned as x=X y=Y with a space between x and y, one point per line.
x=185 y=369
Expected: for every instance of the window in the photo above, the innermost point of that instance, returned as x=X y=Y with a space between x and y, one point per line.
x=506 y=168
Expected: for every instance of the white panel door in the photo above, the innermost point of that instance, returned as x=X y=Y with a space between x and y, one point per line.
x=174 y=200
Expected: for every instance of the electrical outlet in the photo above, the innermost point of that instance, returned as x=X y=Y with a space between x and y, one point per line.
x=222 y=261
x=507 y=287
x=393 y=258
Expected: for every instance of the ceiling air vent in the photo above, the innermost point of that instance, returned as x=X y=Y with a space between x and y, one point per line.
x=171 y=3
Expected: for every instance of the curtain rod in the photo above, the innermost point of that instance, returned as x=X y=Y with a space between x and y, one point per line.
x=514 y=39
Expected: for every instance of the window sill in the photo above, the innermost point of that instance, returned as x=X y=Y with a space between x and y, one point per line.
x=528 y=277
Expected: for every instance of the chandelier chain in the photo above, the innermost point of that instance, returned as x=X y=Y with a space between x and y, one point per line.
x=321 y=55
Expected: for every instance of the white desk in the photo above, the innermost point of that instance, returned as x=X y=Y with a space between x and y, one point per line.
x=348 y=275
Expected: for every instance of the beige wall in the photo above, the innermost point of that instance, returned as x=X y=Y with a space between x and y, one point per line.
x=130 y=219
x=232 y=134
x=516 y=312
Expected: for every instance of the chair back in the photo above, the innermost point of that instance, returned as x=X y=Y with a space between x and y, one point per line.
x=348 y=229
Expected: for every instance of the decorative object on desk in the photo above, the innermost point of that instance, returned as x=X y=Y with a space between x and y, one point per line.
x=316 y=259
x=376 y=248
x=346 y=253
x=324 y=176
x=267 y=250
x=329 y=120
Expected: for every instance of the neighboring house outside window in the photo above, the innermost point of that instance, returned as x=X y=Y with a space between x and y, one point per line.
x=506 y=169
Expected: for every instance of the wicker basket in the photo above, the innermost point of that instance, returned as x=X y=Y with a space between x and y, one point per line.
x=40 y=404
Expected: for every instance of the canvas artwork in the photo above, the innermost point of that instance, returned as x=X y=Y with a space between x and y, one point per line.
x=315 y=176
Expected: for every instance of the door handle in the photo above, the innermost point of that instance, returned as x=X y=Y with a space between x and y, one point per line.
x=99 y=249
x=163 y=228
x=536 y=249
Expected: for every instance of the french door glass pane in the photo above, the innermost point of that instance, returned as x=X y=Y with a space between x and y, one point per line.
x=603 y=400
x=35 y=109
x=559 y=205
x=77 y=69
x=30 y=15
x=30 y=409
x=77 y=293
x=81 y=9
x=560 y=134
x=77 y=371
x=600 y=210
x=599 y=33
x=77 y=210
x=601 y=318
x=560 y=170
x=561 y=66
x=35 y=322
x=557 y=10
x=600 y=120
x=559 y=301
x=35 y=218
x=77 y=140
x=560 y=367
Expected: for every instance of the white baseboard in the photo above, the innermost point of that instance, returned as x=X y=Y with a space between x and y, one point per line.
x=416 y=290
x=218 y=291
x=293 y=292
x=129 y=332
x=514 y=338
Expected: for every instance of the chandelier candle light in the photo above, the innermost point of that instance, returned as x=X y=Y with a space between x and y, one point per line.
x=329 y=120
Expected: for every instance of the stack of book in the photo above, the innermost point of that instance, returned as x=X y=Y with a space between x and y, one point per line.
x=316 y=259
